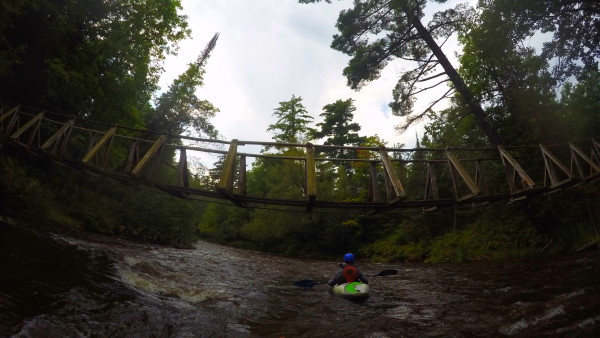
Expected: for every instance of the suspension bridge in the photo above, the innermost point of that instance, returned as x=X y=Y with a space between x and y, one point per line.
x=446 y=177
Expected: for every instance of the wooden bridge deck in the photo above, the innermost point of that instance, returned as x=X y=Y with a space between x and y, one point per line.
x=450 y=176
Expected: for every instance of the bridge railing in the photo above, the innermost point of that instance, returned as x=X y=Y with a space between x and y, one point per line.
x=316 y=175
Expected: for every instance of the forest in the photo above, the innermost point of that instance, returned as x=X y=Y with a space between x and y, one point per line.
x=102 y=60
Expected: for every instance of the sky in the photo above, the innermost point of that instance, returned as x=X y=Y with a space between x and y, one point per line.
x=269 y=50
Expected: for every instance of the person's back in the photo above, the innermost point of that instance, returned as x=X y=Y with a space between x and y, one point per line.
x=349 y=273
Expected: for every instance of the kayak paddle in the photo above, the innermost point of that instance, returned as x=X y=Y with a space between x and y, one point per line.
x=309 y=283
x=384 y=273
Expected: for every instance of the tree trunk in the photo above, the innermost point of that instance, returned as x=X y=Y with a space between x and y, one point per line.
x=453 y=75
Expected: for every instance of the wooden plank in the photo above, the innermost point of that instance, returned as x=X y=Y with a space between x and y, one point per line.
x=389 y=170
x=56 y=137
x=551 y=162
x=514 y=169
x=242 y=176
x=162 y=139
x=9 y=113
x=182 y=169
x=431 y=187
x=134 y=156
x=225 y=185
x=389 y=189
x=311 y=177
x=11 y=124
x=92 y=153
x=373 y=192
x=480 y=178
x=34 y=120
x=106 y=152
x=456 y=166
x=60 y=147
x=575 y=151
x=596 y=148
x=35 y=132
x=93 y=140
x=453 y=179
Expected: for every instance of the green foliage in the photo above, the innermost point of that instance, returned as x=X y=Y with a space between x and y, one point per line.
x=97 y=59
x=484 y=241
x=486 y=233
x=278 y=178
x=222 y=223
x=513 y=83
x=42 y=193
x=581 y=103
x=292 y=122
x=25 y=195
x=571 y=25
x=387 y=252
x=179 y=107
x=337 y=127
x=376 y=32
x=405 y=242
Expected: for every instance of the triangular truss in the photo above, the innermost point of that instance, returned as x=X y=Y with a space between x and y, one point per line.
x=517 y=179
x=27 y=131
x=554 y=170
x=587 y=167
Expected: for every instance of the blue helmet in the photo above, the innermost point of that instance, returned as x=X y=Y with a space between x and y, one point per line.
x=348 y=258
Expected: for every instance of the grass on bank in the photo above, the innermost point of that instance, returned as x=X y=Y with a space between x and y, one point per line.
x=43 y=194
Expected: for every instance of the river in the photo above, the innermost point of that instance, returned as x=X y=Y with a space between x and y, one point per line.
x=89 y=285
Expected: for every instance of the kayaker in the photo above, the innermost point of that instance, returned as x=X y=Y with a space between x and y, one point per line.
x=348 y=273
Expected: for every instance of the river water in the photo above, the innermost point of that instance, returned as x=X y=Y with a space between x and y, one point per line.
x=90 y=285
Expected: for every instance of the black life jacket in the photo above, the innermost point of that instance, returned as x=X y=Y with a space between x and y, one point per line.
x=350 y=273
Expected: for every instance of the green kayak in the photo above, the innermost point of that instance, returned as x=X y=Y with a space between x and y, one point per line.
x=352 y=290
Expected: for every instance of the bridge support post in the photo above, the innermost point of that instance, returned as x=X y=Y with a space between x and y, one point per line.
x=182 y=170
x=11 y=123
x=373 y=192
x=311 y=177
x=134 y=156
x=457 y=167
x=551 y=162
x=431 y=187
x=513 y=170
x=480 y=178
x=105 y=141
x=225 y=185
x=595 y=151
x=59 y=140
x=154 y=149
x=36 y=120
x=242 y=176
x=389 y=171
x=576 y=154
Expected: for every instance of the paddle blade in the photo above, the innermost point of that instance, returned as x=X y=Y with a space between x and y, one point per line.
x=385 y=273
x=307 y=283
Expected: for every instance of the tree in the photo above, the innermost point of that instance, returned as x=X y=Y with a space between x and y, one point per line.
x=97 y=59
x=375 y=32
x=509 y=79
x=581 y=106
x=574 y=43
x=292 y=122
x=179 y=107
x=338 y=130
x=337 y=127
